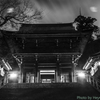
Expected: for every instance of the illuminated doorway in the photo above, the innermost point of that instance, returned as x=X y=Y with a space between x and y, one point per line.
x=47 y=76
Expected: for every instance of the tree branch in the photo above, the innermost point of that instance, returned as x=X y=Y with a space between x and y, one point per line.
x=20 y=14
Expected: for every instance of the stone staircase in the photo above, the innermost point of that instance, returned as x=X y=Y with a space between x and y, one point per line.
x=41 y=85
x=48 y=91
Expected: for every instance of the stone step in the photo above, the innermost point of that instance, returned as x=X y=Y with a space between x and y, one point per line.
x=55 y=91
x=41 y=85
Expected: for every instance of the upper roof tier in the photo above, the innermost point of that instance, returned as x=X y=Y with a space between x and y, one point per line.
x=46 y=28
x=38 y=30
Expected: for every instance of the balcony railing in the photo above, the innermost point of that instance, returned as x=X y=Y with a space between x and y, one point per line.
x=95 y=83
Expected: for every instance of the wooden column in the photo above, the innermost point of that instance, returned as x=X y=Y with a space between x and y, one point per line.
x=36 y=69
x=57 y=69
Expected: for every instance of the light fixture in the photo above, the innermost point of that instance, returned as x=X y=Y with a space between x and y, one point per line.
x=47 y=72
x=81 y=74
x=99 y=63
x=52 y=71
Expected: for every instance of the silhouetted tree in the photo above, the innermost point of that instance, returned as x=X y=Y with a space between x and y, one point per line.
x=12 y=14
x=15 y=12
x=82 y=23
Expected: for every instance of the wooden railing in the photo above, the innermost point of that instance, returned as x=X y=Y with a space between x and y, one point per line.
x=95 y=83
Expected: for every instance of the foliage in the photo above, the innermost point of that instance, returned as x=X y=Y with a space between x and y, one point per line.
x=96 y=34
x=15 y=12
x=82 y=23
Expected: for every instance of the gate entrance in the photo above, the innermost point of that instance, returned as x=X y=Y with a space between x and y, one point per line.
x=47 y=76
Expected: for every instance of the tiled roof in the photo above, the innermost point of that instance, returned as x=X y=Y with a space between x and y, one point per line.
x=46 y=28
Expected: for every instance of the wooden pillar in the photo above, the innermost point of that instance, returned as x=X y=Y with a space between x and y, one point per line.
x=73 y=69
x=36 y=70
x=57 y=69
x=6 y=78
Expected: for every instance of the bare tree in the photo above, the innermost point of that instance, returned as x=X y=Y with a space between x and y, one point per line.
x=16 y=12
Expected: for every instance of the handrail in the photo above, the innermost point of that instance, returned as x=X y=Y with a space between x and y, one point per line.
x=95 y=83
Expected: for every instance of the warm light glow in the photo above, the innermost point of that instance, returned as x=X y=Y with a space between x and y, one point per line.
x=13 y=75
x=81 y=74
x=47 y=71
x=99 y=63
